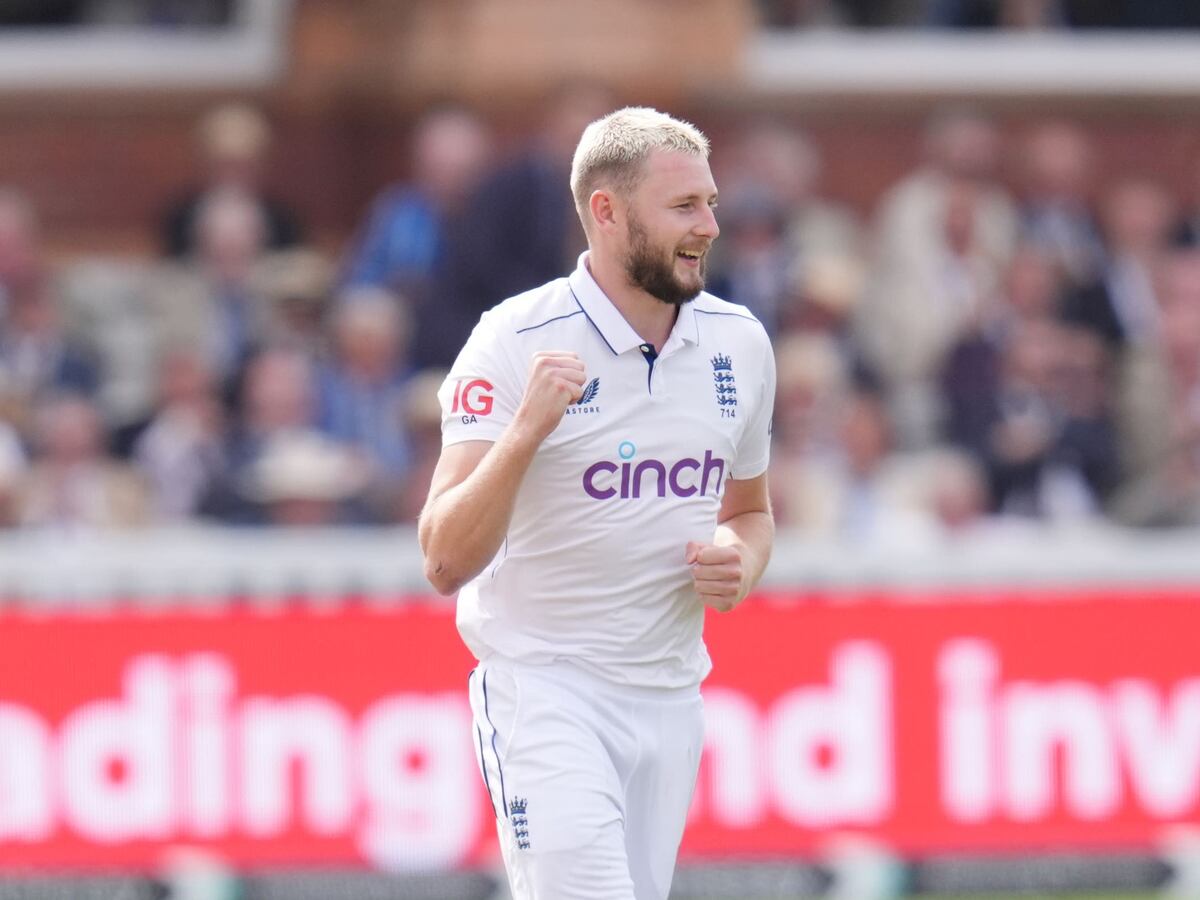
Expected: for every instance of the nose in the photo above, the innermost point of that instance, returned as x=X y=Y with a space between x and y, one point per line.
x=707 y=227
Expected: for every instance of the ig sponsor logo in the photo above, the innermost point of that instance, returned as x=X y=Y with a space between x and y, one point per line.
x=473 y=398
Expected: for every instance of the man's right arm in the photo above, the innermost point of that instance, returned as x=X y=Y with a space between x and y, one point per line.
x=475 y=484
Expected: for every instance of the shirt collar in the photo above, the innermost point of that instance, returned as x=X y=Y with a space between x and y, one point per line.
x=609 y=322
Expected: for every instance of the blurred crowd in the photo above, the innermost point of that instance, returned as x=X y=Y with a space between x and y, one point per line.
x=1021 y=15
x=166 y=14
x=1004 y=341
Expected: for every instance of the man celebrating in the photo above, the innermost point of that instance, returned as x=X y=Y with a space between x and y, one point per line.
x=602 y=480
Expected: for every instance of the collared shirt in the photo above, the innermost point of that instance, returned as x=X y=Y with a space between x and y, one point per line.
x=593 y=567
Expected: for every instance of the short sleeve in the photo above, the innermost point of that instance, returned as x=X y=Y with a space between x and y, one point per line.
x=753 y=451
x=481 y=394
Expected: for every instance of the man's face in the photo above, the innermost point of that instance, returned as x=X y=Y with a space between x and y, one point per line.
x=670 y=227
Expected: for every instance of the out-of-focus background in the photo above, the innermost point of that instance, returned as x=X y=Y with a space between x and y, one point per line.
x=240 y=242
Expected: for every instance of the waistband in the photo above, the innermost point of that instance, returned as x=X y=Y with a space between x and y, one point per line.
x=564 y=671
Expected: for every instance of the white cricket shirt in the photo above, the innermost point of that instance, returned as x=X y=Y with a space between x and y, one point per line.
x=593 y=567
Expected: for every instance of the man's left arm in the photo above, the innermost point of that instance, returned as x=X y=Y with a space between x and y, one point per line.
x=726 y=570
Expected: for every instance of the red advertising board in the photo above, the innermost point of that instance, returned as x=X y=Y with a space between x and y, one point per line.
x=1035 y=720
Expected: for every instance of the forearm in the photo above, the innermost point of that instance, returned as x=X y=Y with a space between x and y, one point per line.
x=461 y=529
x=752 y=533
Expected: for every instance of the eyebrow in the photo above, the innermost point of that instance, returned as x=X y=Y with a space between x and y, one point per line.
x=711 y=198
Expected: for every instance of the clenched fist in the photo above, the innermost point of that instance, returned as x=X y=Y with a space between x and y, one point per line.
x=717 y=574
x=556 y=380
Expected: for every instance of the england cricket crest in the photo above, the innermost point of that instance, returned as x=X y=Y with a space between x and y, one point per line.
x=520 y=822
x=725 y=385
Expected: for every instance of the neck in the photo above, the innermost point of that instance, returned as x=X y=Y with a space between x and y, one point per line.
x=650 y=318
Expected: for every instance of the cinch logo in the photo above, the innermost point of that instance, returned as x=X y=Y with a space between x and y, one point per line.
x=474 y=398
x=604 y=480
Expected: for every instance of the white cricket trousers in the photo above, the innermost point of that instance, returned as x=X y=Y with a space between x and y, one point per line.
x=590 y=781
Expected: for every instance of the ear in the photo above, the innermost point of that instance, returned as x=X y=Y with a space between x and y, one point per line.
x=603 y=210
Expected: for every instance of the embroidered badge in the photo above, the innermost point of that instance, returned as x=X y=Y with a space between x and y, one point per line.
x=723 y=381
x=520 y=823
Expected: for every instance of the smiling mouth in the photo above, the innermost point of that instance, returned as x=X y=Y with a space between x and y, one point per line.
x=690 y=255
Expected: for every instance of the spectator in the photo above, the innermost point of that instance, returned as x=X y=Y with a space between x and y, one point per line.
x=756 y=266
x=956 y=492
x=37 y=355
x=826 y=294
x=1025 y=15
x=406 y=243
x=812 y=381
x=304 y=479
x=812 y=384
x=826 y=13
x=944 y=235
x=181 y=452
x=278 y=398
x=865 y=491
x=40 y=351
x=1056 y=203
x=800 y=14
x=233 y=142
x=294 y=288
x=1108 y=14
x=215 y=297
x=522 y=229
x=876 y=502
x=362 y=387
x=953 y=499
x=403 y=242
x=1160 y=407
x=109 y=314
x=776 y=227
x=1032 y=287
x=1035 y=412
x=1029 y=396
x=41 y=13
x=784 y=160
x=162 y=14
x=73 y=483
x=971 y=374
x=1120 y=304
x=960 y=145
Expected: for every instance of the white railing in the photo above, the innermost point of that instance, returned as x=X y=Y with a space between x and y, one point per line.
x=955 y=63
x=249 y=53
x=211 y=566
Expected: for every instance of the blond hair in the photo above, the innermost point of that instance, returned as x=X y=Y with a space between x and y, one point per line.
x=612 y=150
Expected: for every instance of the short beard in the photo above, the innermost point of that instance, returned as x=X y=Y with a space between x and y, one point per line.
x=645 y=269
